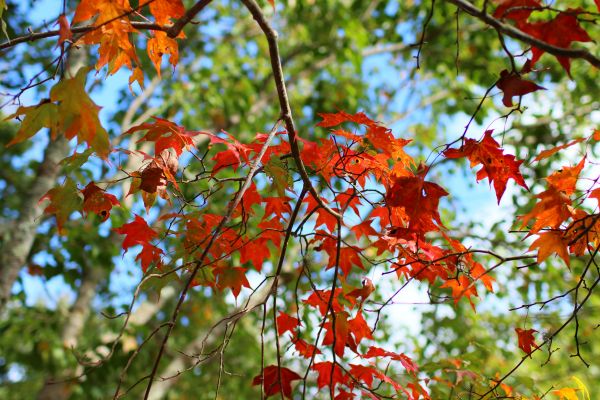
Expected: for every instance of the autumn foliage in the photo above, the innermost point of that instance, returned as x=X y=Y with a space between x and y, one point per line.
x=354 y=199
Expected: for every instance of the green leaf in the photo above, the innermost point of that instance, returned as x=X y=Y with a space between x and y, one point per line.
x=278 y=171
x=44 y=115
x=75 y=161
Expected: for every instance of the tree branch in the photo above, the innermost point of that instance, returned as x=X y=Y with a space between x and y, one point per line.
x=176 y=29
x=284 y=104
x=32 y=37
x=515 y=33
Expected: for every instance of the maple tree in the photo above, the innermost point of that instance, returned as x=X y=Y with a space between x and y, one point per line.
x=287 y=227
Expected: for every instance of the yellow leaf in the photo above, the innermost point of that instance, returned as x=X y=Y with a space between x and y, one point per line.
x=566 y=393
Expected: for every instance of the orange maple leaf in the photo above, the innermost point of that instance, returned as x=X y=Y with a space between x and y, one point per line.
x=547 y=153
x=165 y=10
x=567 y=393
x=64 y=30
x=496 y=166
x=551 y=242
x=565 y=179
x=551 y=210
x=161 y=44
x=461 y=287
x=112 y=32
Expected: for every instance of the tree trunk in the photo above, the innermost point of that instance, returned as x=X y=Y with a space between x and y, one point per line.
x=19 y=238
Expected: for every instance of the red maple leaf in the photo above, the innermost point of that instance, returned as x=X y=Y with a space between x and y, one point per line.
x=326 y=376
x=349 y=255
x=364 y=373
x=324 y=217
x=166 y=135
x=496 y=166
x=406 y=361
x=136 y=232
x=364 y=292
x=270 y=380
x=513 y=85
x=359 y=328
x=560 y=32
x=96 y=200
x=305 y=349
x=272 y=230
x=420 y=200
x=286 y=323
x=517 y=10
x=368 y=374
x=276 y=206
x=231 y=157
x=255 y=251
x=338 y=338
x=526 y=340
x=340 y=117
x=64 y=30
x=231 y=277
x=150 y=254
x=250 y=198
x=364 y=229
x=320 y=299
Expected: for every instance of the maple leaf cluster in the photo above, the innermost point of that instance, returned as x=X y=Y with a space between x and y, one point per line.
x=406 y=213
x=401 y=222
x=560 y=227
x=377 y=205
